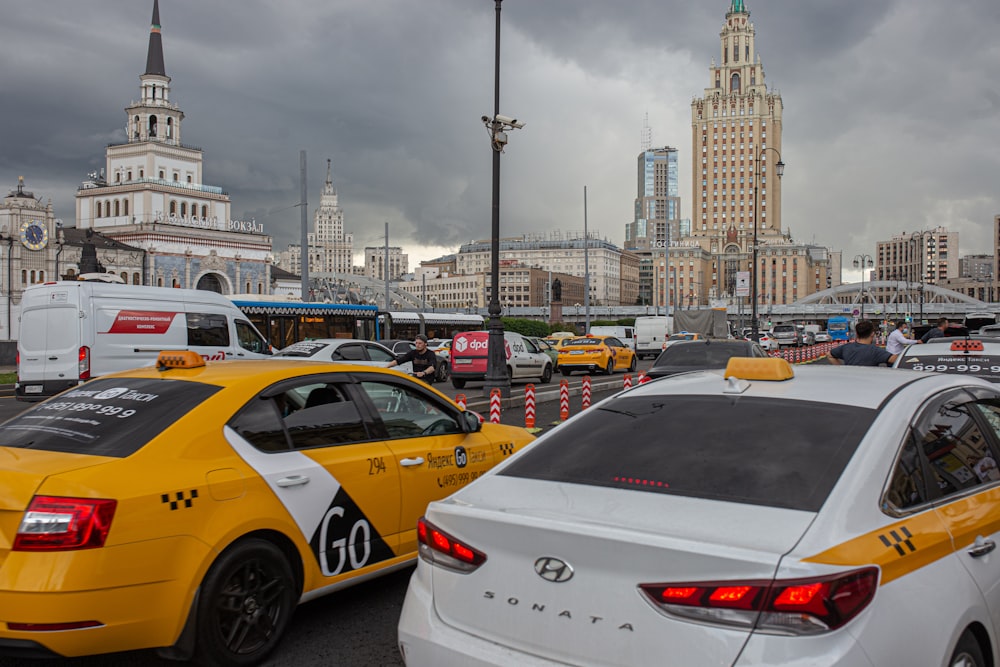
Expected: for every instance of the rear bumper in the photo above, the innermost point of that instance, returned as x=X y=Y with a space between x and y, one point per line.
x=40 y=390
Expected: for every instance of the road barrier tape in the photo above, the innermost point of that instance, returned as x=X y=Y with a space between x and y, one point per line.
x=495 y=406
x=529 y=406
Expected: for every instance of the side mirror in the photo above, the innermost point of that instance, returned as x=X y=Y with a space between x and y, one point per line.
x=473 y=421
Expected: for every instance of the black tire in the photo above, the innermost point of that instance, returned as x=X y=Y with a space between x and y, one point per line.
x=458 y=383
x=610 y=368
x=565 y=372
x=245 y=604
x=442 y=373
x=967 y=652
x=547 y=374
x=632 y=366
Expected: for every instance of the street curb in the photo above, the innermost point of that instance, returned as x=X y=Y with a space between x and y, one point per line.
x=6 y=391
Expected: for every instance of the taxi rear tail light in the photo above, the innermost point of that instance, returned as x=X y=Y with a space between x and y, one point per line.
x=439 y=548
x=783 y=607
x=53 y=627
x=64 y=524
x=84 y=357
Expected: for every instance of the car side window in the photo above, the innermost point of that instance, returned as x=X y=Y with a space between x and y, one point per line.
x=349 y=352
x=259 y=422
x=376 y=353
x=530 y=346
x=209 y=329
x=249 y=338
x=950 y=432
x=326 y=417
x=908 y=485
x=407 y=413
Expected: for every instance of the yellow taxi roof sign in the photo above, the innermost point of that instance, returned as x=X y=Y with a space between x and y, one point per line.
x=754 y=368
x=179 y=359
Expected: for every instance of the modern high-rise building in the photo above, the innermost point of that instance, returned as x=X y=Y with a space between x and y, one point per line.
x=151 y=196
x=657 y=200
x=929 y=256
x=330 y=249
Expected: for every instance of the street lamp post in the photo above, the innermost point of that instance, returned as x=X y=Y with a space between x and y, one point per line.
x=864 y=262
x=780 y=168
x=497 y=127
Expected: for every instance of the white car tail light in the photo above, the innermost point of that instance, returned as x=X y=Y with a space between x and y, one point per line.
x=84 y=362
x=440 y=548
x=787 y=607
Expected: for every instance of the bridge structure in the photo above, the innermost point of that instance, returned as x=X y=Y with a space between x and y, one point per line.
x=882 y=299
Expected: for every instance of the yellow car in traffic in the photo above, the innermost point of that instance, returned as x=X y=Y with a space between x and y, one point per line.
x=605 y=354
x=191 y=507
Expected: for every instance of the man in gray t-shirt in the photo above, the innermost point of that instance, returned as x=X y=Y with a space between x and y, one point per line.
x=862 y=352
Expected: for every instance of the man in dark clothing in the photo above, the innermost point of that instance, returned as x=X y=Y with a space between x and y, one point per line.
x=937 y=331
x=862 y=352
x=424 y=361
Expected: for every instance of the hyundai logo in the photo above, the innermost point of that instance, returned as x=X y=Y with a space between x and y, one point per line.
x=553 y=569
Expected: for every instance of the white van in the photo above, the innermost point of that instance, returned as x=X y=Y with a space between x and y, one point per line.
x=650 y=334
x=624 y=334
x=71 y=331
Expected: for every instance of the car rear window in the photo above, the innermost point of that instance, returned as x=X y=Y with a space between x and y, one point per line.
x=784 y=328
x=778 y=453
x=105 y=417
x=700 y=354
x=585 y=341
x=306 y=348
x=986 y=366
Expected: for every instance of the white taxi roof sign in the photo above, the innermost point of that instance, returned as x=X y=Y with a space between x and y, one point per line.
x=772 y=369
x=179 y=359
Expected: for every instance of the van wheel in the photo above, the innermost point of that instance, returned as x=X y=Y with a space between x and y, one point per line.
x=458 y=383
x=247 y=600
x=967 y=652
x=547 y=374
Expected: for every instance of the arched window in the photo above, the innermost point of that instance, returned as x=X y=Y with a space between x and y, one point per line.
x=204 y=211
x=32 y=277
x=159 y=282
x=173 y=208
x=98 y=209
x=184 y=209
x=152 y=121
x=248 y=288
x=734 y=85
x=135 y=127
x=260 y=288
x=41 y=276
x=170 y=128
x=189 y=178
x=135 y=278
x=118 y=177
x=24 y=277
x=129 y=175
x=125 y=207
x=161 y=174
x=118 y=208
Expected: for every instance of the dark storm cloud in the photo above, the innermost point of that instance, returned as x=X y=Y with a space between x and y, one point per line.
x=890 y=107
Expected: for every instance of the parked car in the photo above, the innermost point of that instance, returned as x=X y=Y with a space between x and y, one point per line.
x=776 y=516
x=695 y=355
x=596 y=354
x=963 y=356
x=524 y=360
x=544 y=346
x=364 y=352
x=765 y=340
x=822 y=336
x=190 y=507
x=787 y=335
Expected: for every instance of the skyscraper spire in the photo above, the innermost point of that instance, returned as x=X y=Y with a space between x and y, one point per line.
x=154 y=57
x=738 y=6
x=328 y=187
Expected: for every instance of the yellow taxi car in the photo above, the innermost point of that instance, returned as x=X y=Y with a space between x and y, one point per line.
x=191 y=507
x=596 y=353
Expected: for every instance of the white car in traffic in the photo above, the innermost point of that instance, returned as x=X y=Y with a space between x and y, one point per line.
x=364 y=352
x=763 y=515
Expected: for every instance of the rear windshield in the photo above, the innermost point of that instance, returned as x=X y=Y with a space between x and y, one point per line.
x=700 y=354
x=681 y=337
x=778 y=453
x=305 y=349
x=986 y=366
x=104 y=417
x=585 y=341
x=784 y=328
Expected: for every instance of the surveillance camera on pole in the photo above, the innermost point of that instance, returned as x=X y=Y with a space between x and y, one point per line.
x=507 y=120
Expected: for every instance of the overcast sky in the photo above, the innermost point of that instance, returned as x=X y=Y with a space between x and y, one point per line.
x=891 y=108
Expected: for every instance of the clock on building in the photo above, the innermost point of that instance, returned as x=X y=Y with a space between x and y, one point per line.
x=34 y=235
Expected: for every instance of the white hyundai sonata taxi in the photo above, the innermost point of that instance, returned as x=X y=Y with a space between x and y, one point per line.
x=729 y=518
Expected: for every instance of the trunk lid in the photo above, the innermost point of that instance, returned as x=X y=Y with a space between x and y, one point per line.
x=614 y=540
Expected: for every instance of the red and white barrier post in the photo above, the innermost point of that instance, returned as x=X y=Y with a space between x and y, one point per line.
x=586 y=392
x=529 y=406
x=627 y=381
x=564 y=400
x=495 y=406
x=643 y=378
x=460 y=399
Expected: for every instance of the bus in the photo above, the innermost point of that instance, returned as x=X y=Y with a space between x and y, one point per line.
x=839 y=327
x=407 y=324
x=284 y=322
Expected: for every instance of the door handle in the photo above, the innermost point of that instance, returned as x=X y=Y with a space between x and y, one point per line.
x=409 y=463
x=293 y=480
x=982 y=547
